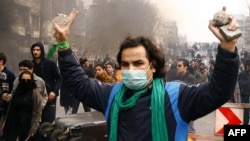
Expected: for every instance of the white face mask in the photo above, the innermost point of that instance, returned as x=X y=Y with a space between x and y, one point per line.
x=135 y=79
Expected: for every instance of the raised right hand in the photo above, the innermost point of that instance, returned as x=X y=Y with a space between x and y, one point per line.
x=62 y=34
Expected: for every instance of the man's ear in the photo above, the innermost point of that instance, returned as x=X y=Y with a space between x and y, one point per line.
x=152 y=66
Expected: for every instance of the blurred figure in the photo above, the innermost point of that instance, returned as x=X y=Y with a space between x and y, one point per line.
x=48 y=71
x=241 y=67
x=194 y=66
x=171 y=73
x=102 y=75
x=106 y=59
x=25 y=110
x=243 y=54
x=109 y=67
x=244 y=84
x=183 y=73
x=202 y=74
x=7 y=78
x=67 y=101
x=86 y=67
x=211 y=68
x=166 y=69
x=27 y=65
x=91 y=73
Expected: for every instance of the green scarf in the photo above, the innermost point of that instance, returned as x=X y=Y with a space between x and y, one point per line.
x=159 y=128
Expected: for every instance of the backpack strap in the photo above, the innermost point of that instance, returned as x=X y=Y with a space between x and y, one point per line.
x=172 y=89
x=115 y=89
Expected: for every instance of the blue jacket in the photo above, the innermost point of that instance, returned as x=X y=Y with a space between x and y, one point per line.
x=186 y=103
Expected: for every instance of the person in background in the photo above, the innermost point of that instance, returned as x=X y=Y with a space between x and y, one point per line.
x=7 y=78
x=202 y=74
x=243 y=55
x=91 y=73
x=211 y=68
x=171 y=74
x=86 y=67
x=183 y=73
x=166 y=69
x=109 y=68
x=67 y=101
x=27 y=65
x=48 y=71
x=101 y=74
x=244 y=85
x=186 y=77
x=144 y=107
x=106 y=59
x=25 y=110
x=194 y=66
x=241 y=67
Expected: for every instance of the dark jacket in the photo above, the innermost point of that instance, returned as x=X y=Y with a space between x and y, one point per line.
x=135 y=124
x=187 y=78
x=7 y=78
x=244 y=83
x=66 y=98
x=47 y=70
x=31 y=114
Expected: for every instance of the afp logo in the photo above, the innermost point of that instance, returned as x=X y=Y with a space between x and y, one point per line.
x=236 y=132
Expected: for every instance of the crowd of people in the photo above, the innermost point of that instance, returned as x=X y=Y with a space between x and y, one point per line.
x=142 y=97
x=32 y=94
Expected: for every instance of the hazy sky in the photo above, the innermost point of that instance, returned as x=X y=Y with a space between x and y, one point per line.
x=192 y=16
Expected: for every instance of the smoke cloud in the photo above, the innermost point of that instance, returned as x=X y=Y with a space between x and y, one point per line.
x=107 y=24
x=7 y=38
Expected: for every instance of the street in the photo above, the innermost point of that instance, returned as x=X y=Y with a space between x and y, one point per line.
x=205 y=125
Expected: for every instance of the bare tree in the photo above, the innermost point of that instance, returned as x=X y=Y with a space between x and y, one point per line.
x=107 y=24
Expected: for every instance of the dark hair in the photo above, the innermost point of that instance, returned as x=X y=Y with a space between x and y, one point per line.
x=31 y=85
x=83 y=60
x=100 y=65
x=185 y=62
x=3 y=57
x=26 y=72
x=109 y=63
x=153 y=53
x=41 y=46
x=26 y=63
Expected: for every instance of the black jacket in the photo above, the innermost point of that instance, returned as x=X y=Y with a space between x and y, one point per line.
x=47 y=70
x=244 y=83
x=187 y=78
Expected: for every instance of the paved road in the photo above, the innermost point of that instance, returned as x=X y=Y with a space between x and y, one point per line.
x=204 y=125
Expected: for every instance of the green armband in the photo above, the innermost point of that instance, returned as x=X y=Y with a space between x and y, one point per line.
x=53 y=48
x=63 y=45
